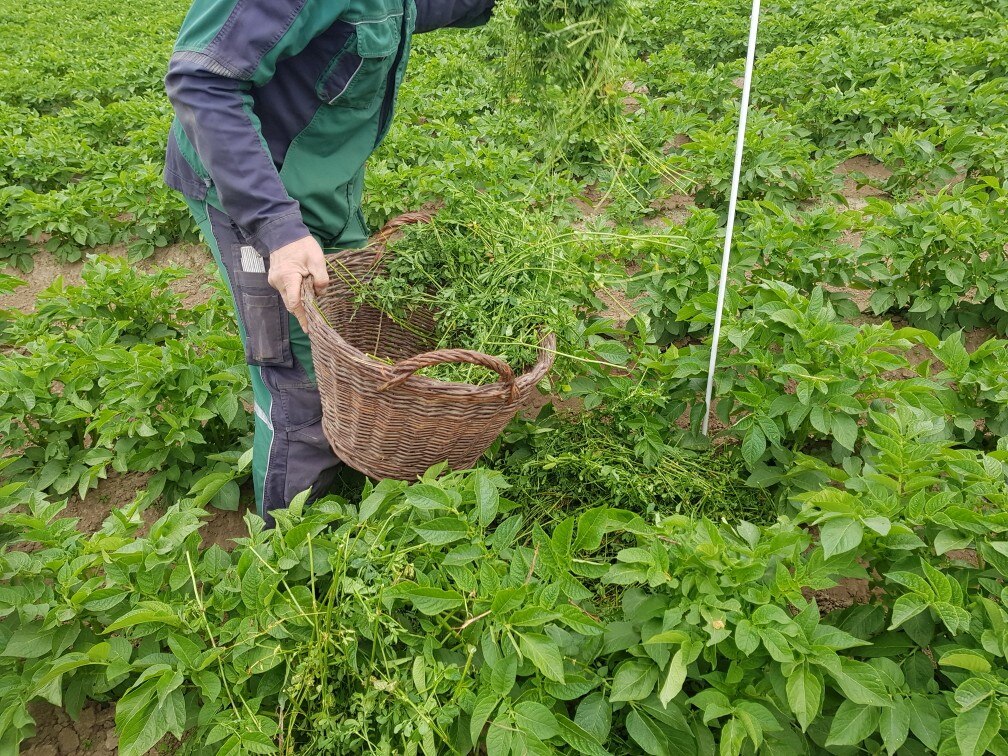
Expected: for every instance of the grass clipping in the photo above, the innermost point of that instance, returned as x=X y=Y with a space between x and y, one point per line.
x=561 y=464
x=496 y=285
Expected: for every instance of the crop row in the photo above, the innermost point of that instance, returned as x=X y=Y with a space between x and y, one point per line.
x=116 y=374
x=938 y=261
x=933 y=261
x=53 y=57
x=436 y=616
x=921 y=89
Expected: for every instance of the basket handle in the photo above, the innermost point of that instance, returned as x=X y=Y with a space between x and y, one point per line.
x=307 y=298
x=406 y=368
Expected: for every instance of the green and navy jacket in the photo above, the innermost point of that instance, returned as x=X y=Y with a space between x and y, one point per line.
x=278 y=104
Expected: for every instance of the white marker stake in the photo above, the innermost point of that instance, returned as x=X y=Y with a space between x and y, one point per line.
x=733 y=200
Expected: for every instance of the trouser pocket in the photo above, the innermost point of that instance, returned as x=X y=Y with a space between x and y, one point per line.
x=301 y=405
x=267 y=326
x=264 y=320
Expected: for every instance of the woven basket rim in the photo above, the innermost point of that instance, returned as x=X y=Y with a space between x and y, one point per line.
x=421 y=384
x=381 y=372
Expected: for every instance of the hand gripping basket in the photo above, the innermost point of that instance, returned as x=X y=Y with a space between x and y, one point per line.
x=380 y=418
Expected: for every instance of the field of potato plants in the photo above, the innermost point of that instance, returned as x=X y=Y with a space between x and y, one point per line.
x=825 y=575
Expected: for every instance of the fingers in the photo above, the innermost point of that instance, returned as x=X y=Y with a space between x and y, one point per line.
x=291 y=292
x=319 y=273
x=288 y=267
x=288 y=285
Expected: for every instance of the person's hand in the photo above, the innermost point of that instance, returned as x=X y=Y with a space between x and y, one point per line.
x=287 y=268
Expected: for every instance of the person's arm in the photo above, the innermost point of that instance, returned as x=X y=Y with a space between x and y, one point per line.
x=223 y=50
x=215 y=112
x=440 y=14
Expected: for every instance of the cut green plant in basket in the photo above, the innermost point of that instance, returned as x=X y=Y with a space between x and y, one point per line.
x=497 y=279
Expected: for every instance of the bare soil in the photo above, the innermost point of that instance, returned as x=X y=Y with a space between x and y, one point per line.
x=537 y=400
x=872 y=169
x=860 y=297
x=93 y=734
x=675 y=143
x=632 y=104
x=670 y=211
x=590 y=205
x=966 y=556
x=224 y=526
x=714 y=426
x=977 y=336
x=115 y=491
x=847 y=593
x=618 y=307
x=119 y=489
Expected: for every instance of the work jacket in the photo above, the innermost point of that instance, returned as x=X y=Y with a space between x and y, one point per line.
x=279 y=103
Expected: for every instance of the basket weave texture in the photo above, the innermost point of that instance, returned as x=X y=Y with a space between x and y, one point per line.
x=380 y=418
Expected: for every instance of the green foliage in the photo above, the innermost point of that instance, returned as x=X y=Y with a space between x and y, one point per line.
x=7 y=285
x=526 y=613
x=118 y=374
x=606 y=634
x=671 y=274
x=678 y=275
x=561 y=463
x=142 y=307
x=564 y=59
x=82 y=130
x=781 y=164
x=981 y=380
x=923 y=159
x=800 y=373
x=940 y=259
x=496 y=281
x=568 y=42
x=805 y=250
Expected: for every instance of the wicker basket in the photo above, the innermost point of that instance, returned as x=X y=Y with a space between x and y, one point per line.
x=380 y=418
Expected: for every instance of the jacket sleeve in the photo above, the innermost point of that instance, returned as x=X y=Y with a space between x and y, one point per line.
x=223 y=50
x=439 y=14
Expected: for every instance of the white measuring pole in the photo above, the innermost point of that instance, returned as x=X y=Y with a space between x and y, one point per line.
x=732 y=202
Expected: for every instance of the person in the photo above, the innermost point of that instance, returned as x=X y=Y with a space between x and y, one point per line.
x=278 y=104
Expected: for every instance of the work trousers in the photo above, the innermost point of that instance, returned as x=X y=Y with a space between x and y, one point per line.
x=290 y=452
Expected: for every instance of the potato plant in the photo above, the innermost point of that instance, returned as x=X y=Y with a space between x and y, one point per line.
x=981 y=379
x=782 y=168
x=798 y=373
x=118 y=375
x=825 y=576
x=941 y=260
x=606 y=634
